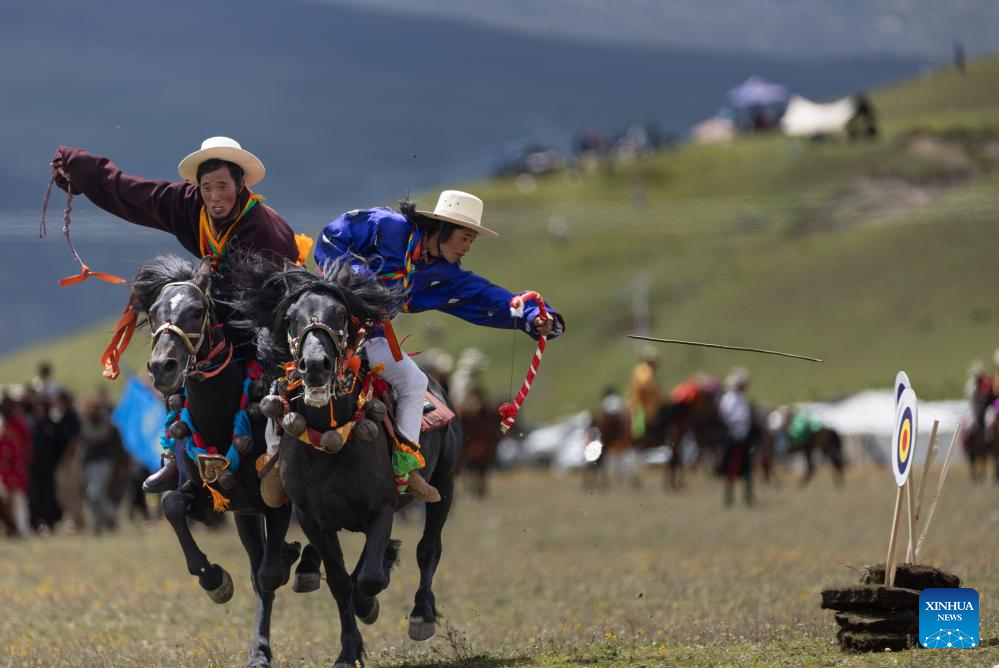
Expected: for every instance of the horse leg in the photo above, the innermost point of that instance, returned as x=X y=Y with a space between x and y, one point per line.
x=340 y=585
x=251 y=533
x=423 y=618
x=307 y=573
x=366 y=606
x=809 y=465
x=372 y=577
x=278 y=557
x=214 y=579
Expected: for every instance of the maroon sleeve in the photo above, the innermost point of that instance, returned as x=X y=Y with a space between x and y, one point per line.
x=171 y=207
x=267 y=233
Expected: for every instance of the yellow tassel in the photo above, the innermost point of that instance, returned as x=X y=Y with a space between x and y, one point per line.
x=219 y=502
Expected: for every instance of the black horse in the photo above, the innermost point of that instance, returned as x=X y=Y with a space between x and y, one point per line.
x=191 y=353
x=339 y=480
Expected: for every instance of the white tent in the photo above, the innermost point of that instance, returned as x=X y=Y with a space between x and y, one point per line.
x=804 y=118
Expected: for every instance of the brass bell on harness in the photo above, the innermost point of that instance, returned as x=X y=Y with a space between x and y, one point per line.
x=243 y=444
x=227 y=479
x=331 y=442
x=366 y=431
x=175 y=402
x=376 y=410
x=179 y=430
x=293 y=424
x=272 y=406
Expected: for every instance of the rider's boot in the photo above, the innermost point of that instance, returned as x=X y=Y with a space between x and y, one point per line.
x=421 y=489
x=163 y=480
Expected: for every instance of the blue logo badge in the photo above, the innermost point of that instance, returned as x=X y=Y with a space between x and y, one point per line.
x=948 y=618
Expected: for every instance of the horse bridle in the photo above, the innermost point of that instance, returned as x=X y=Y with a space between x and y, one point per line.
x=338 y=336
x=192 y=340
x=320 y=396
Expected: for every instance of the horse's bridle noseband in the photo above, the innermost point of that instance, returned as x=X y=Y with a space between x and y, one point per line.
x=191 y=340
x=320 y=396
x=338 y=336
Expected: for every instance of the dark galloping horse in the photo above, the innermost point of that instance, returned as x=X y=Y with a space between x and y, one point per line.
x=829 y=444
x=697 y=416
x=175 y=295
x=340 y=479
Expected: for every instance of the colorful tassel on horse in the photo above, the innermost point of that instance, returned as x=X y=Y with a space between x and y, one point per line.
x=219 y=502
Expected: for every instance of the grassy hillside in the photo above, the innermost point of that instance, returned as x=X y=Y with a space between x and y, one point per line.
x=874 y=256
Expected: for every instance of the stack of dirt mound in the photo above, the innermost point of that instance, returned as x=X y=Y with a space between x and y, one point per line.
x=873 y=617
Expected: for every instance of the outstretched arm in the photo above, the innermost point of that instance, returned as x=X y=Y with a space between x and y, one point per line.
x=162 y=205
x=475 y=299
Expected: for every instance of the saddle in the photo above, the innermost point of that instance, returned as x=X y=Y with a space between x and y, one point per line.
x=436 y=414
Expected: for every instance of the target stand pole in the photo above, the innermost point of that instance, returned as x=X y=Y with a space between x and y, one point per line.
x=910 y=553
x=890 y=561
x=936 y=495
x=930 y=451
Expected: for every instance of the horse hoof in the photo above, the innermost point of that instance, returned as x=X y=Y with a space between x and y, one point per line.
x=305 y=582
x=372 y=615
x=223 y=593
x=420 y=629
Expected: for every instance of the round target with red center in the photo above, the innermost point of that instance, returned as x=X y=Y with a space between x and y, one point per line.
x=904 y=441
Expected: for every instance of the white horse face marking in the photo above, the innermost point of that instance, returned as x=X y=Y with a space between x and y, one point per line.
x=175 y=303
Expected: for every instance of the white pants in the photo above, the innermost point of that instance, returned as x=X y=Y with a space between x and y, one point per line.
x=408 y=381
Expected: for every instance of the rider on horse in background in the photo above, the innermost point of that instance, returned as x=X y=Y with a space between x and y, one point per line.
x=645 y=395
x=421 y=251
x=212 y=212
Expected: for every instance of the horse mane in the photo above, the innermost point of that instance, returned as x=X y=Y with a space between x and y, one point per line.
x=154 y=274
x=264 y=292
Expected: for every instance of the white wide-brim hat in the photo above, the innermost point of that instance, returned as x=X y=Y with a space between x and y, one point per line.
x=222 y=148
x=461 y=209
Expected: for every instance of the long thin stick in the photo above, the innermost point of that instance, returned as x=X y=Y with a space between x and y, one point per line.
x=936 y=495
x=910 y=553
x=718 y=345
x=890 y=560
x=930 y=451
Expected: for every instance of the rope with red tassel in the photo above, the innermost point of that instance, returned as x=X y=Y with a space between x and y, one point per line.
x=509 y=410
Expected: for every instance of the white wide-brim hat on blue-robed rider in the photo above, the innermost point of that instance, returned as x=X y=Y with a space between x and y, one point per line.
x=460 y=209
x=222 y=148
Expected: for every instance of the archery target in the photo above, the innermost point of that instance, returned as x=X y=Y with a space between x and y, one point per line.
x=904 y=439
x=901 y=383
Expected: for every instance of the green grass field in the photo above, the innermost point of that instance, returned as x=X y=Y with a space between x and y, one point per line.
x=542 y=574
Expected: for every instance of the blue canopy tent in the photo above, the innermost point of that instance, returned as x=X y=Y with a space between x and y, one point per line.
x=757 y=104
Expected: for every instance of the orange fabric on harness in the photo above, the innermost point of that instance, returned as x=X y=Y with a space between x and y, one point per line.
x=392 y=341
x=123 y=331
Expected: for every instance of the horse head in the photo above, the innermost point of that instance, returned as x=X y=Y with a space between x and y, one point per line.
x=314 y=321
x=174 y=294
x=320 y=333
